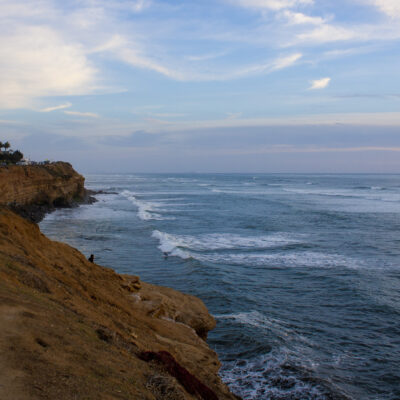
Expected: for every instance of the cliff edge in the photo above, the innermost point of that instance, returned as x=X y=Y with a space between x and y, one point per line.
x=71 y=329
x=34 y=190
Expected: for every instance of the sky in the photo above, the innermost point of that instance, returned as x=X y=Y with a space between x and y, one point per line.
x=203 y=85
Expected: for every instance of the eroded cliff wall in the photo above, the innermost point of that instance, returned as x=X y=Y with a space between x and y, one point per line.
x=33 y=190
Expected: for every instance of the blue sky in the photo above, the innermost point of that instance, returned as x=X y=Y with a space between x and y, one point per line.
x=201 y=85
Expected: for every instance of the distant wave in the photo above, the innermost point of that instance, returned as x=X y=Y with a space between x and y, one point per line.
x=283 y=259
x=258 y=320
x=146 y=210
x=205 y=248
x=320 y=192
x=366 y=193
x=220 y=241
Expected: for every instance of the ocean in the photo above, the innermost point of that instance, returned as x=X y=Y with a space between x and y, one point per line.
x=302 y=272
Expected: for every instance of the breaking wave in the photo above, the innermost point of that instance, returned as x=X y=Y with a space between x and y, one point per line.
x=146 y=210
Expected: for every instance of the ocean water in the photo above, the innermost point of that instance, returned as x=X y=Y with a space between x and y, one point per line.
x=302 y=272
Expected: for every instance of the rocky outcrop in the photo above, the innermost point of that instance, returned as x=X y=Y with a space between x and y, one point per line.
x=36 y=189
x=71 y=329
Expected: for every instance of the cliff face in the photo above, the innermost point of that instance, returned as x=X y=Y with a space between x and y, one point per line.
x=31 y=189
x=71 y=329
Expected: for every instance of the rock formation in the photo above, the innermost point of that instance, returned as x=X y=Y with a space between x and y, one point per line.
x=71 y=329
x=36 y=189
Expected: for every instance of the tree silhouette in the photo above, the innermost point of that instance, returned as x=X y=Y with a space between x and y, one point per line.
x=1 y=145
x=16 y=156
x=6 y=145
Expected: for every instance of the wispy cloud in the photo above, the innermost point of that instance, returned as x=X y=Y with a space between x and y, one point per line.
x=328 y=33
x=389 y=7
x=296 y=18
x=282 y=149
x=168 y=115
x=320 y=83
x=140 y=5
x=206 y=57
x=91 y=34
x=286 y=61
x=82 y=114
x=133 y=57
x=55 y=108
x=237 y=121
x=9 y=122
x=271 y=4
x=262 y=68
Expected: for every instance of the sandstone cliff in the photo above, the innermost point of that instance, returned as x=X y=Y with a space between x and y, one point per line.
x=71 y=329
x=33 y=190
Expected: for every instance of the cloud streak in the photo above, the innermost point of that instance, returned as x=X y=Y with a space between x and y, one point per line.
x=55 y=108
x=82 y=114
x=271 y=4
x=320 y=83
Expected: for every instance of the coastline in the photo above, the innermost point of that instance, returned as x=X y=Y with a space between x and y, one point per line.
x=79 y=329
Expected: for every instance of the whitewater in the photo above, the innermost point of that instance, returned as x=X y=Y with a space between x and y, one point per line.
x=302 y=272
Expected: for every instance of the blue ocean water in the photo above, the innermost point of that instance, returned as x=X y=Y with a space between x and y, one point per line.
x=302 y=272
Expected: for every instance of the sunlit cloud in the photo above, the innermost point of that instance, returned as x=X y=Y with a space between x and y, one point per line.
x=296 y=18
x=389 y=7
x=328 y=33
x=55 y=108
x=30 y=69
x=287 y=61
x=82 y=114
x=320 y=83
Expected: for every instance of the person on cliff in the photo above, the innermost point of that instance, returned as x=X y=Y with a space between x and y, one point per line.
x=91 y=258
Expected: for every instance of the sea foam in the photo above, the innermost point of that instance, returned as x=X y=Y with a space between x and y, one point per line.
x=146 y=210
x=277 y=376
x=209 y=248
x=223 y=241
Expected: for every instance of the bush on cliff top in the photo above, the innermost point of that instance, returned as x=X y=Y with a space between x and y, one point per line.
x=9 y=156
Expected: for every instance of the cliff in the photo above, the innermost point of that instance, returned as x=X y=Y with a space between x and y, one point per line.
x=36 y=189
x=71 y=329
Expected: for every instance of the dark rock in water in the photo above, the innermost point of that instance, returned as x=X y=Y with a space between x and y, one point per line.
x=94 y=192
x=88 y=198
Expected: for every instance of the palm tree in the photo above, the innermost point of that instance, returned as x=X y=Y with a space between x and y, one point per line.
x=6 y=145
x=1 y=145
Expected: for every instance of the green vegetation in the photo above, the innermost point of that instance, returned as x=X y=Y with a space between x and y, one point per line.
x=9 y=156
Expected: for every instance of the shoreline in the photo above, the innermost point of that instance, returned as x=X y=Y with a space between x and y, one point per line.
x=72 y=317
